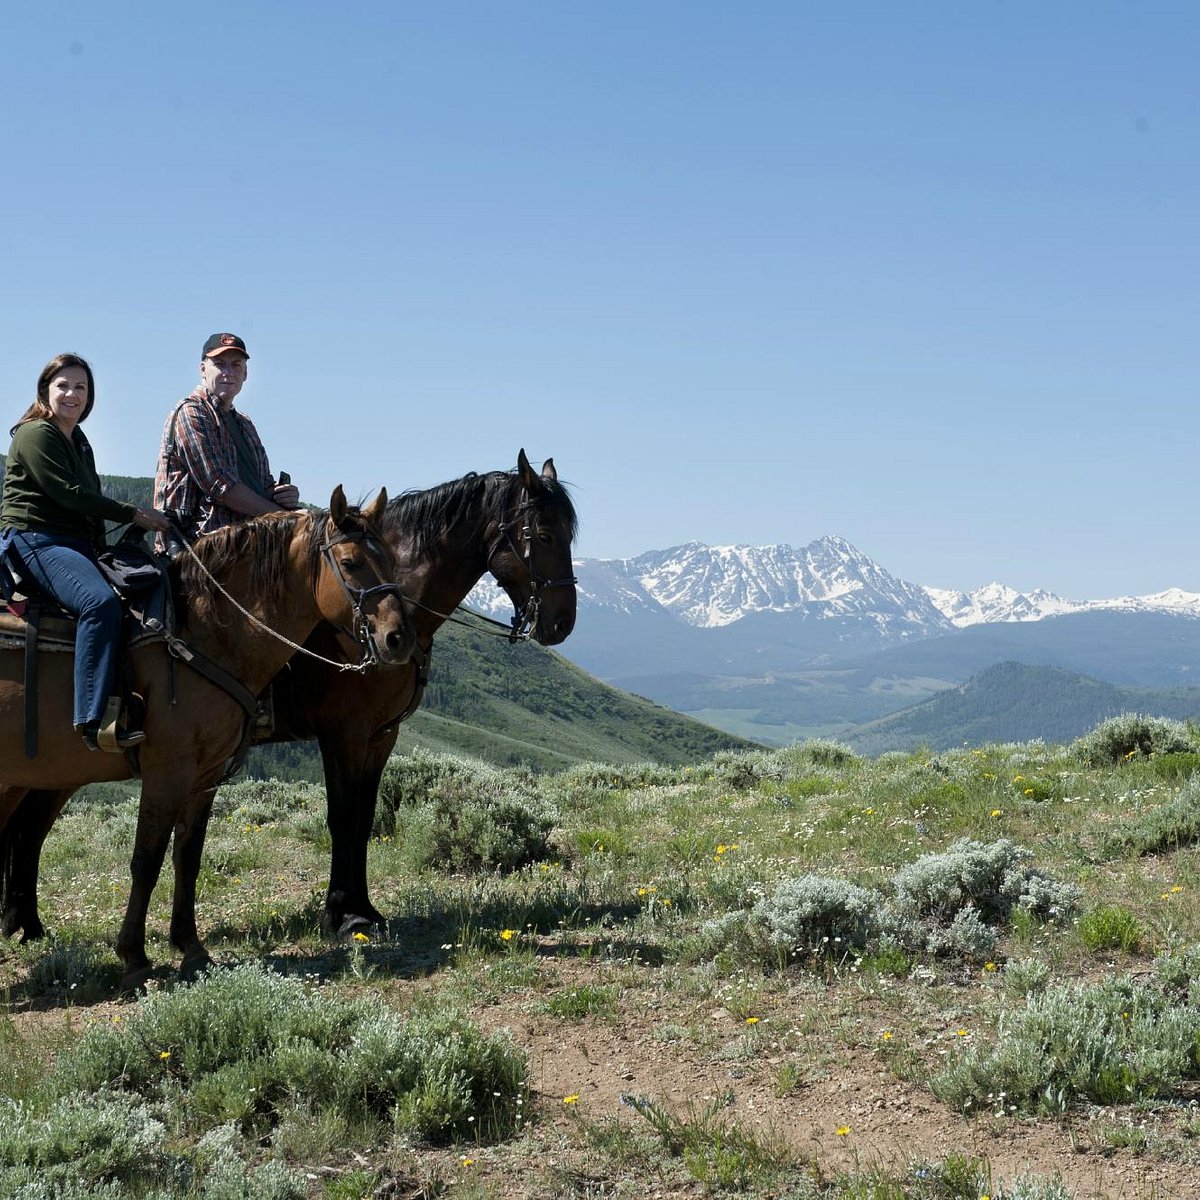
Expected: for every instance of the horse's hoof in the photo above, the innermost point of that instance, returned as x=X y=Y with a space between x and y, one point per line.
x=351 y=925
x=14 y=920
x=134 y=981
x=193 y=966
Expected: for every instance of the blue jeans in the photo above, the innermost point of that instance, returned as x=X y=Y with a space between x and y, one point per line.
x=64 y=568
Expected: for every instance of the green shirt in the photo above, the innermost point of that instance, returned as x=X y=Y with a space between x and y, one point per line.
x=51 y=486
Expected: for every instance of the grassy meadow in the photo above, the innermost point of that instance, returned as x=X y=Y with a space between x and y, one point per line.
x=796 y=973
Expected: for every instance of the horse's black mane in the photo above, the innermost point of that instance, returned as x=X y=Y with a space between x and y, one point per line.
x=425 y=515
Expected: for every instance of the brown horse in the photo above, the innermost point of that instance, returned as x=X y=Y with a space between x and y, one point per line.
x=518 y=525
x=290 y=571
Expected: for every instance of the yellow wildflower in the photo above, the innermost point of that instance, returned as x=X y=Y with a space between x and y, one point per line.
x=996 y=812
x=751 y=1020
x=887 y=1035
x=164 y=1055
x=507 y=935
x=573 y=1098
x=989 y=966
x=843 y=1130
x=361 y=937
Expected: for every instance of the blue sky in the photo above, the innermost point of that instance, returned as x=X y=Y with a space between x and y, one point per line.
x=923 y=275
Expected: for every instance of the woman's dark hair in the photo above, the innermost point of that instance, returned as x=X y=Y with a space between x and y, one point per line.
x=39 y=410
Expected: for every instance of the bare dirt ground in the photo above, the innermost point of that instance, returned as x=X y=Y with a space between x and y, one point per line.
x=846 y=1108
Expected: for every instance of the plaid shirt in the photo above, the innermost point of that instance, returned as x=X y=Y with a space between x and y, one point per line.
x=198 y=464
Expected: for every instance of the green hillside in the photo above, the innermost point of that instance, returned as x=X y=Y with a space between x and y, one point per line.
x=1013 y=702
x=524 y=705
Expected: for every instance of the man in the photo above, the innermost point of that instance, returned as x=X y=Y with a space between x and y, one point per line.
x=212 y=468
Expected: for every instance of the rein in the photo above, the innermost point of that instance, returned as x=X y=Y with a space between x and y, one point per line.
x=523 y=623
x=355 y=595
x=520 y=627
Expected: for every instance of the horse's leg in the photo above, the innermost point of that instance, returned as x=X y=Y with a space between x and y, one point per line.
x=352 y=772
x=189 y=846
x=342 y=758
x=156 y=817
x=21 y=844
x=368 y=797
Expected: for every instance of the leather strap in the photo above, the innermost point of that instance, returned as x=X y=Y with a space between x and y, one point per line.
x=31 y=680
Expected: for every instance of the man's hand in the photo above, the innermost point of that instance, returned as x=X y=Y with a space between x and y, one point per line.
x=286 y=495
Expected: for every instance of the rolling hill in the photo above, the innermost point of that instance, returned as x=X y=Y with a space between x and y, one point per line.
x=1013 y=702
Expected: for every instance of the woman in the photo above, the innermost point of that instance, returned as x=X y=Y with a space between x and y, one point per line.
x=53 y=514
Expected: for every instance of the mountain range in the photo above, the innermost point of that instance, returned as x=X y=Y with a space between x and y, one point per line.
x=775 y=642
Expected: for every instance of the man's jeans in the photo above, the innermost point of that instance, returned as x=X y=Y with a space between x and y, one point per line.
x=64 y=569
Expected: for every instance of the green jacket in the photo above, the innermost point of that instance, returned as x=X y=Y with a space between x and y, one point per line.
x=51 y=486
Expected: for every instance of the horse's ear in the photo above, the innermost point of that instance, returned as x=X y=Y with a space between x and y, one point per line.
x=548 y=471
x=528 y=475
x=337 y=505
x=373 y=512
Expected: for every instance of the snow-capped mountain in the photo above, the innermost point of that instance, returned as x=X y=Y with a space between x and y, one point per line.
x=709 y=587
x=995 y=602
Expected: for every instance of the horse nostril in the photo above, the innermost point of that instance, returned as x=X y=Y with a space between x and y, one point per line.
x=395 y=639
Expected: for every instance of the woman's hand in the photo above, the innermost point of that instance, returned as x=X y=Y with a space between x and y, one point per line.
x=152 y=519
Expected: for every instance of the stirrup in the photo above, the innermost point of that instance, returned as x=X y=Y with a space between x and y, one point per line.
x=110 y=736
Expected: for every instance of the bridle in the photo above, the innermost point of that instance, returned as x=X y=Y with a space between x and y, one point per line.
x=524 y=622
x=362 y=633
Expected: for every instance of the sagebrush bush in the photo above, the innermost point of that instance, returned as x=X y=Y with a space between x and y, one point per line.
x=226 y=1176
x=1115 y=1042
x=1034 y=1187
x=949 y=903
x=1167 y=826
x=966 y=937
x=81 y=970
x=993 y=877
x=814 y=915
x=823 y=752
x=1132 y=735
x=81 y=1140
x=597 y=776
x=411 y=780
x=259 y=801
x=745 y=769
x=1177 y=972
x=462 y=814
x=500 y=828
x=242 y=1046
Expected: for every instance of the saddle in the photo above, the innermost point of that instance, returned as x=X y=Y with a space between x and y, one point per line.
x=34 y=622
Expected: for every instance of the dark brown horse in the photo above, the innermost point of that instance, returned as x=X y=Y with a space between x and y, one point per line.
x=290 y=571
x=517 y=525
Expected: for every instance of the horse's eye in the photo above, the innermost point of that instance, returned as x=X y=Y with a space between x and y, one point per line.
x=353 y=563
